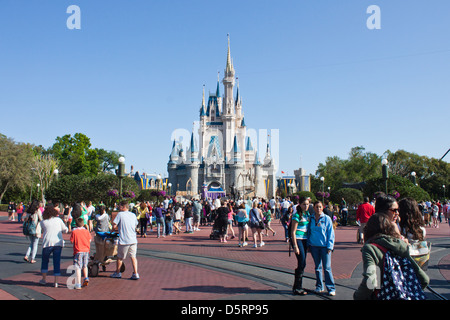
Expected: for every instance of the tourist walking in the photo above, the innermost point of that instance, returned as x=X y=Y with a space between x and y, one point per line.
x=257 y=225
x=35 y=215
x=222 y=221
x=142 y=216
x=435 y=214
x=379 y=233
x=197 y=212
x=230 y=220
x=299 y=241
x=178 y=214
x=168 y=220
x=125 y=223
x=267 y=214
x=52 y=242
x=242 y=222
x=321 y=244
x=188 y=216
x=81 y=239
x=159 y=214
x=363 y=213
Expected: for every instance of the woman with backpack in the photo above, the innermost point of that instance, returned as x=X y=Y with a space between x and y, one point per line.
x=381 y=235
x=34 y=216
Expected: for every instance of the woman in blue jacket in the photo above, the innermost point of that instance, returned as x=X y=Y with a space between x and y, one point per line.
x=321 y=243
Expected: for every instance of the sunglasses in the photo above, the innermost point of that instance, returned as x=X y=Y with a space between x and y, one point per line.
x=394 y=210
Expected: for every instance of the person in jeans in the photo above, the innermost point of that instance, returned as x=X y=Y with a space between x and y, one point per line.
x=299 y=241
x=159 y=213
x=321 y=244
x=125 y=223
x=52 y=242
x=35 y=214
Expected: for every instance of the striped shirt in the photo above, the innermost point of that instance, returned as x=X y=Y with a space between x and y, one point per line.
x=302 y=225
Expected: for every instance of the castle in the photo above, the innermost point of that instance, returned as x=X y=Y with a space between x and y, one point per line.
x=223 y=162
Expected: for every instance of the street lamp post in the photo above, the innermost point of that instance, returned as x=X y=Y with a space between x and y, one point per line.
x=170 y=188
x=443 y=186
x=323 y=189
x=384 y=168
x=158 y=181
x=413 y=175
x=121 y=174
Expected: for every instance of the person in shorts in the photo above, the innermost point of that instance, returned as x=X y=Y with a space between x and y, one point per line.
x=125 y=223
x=81 y=239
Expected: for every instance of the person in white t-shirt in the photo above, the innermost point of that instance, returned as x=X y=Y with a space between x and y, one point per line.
x=125 y=223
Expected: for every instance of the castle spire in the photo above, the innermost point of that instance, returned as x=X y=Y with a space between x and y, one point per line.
x=229 y=61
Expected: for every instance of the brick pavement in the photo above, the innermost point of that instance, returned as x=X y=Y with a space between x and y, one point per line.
x=168 y=280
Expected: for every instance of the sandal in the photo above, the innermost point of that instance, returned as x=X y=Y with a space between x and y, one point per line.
x=26 y=259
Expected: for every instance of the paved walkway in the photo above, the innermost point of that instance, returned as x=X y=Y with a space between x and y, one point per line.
x=194 y=267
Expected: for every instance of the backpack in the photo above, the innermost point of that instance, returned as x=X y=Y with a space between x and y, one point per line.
x=29 y=226
x=399 y=281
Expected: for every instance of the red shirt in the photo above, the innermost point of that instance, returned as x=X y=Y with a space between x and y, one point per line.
x=364 y=212
x=81 y=239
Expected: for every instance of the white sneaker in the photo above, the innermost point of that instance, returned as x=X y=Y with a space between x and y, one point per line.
x=261 y=244
x=245 y=244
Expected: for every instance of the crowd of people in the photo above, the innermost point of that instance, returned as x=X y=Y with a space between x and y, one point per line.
x=308 y=227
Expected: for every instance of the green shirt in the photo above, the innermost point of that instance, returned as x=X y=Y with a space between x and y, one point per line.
x=302 y=225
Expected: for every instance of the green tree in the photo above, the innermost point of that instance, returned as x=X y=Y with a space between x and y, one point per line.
x=44 y=167
x=108 y=160
x=75 y=155
x=396 y=183
x=358 y=167
x=431 y=173
x=15 y=165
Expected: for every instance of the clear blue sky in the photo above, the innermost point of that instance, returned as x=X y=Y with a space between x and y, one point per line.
x=312 y=69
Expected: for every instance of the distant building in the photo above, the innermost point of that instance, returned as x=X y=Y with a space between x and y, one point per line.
x=223 y=160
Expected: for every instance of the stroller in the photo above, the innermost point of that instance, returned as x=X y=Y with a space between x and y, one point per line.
x=215 y=232
x=105 y=252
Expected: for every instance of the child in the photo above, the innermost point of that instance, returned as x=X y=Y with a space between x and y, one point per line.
x=81 y=239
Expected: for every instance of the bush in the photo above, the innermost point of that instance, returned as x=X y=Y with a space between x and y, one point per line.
x=351 y=196
x=305 y=194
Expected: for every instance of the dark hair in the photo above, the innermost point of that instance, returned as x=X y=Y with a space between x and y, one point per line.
x=102 y=208
x=80 y=222
x=317 y=202
x=33 y=207
x=379 y=224
x=50 y=212
x=410 y=218
x=76 y=211
x=303 y=199
x=123 y=203
x=384 y=203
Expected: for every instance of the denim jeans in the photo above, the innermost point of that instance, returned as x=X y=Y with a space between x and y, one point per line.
x=188 y=222
x=169 y=227
x=46 y=252
x=321 y=258
x=160 y=223
x=32 y=248
x=301 y=257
